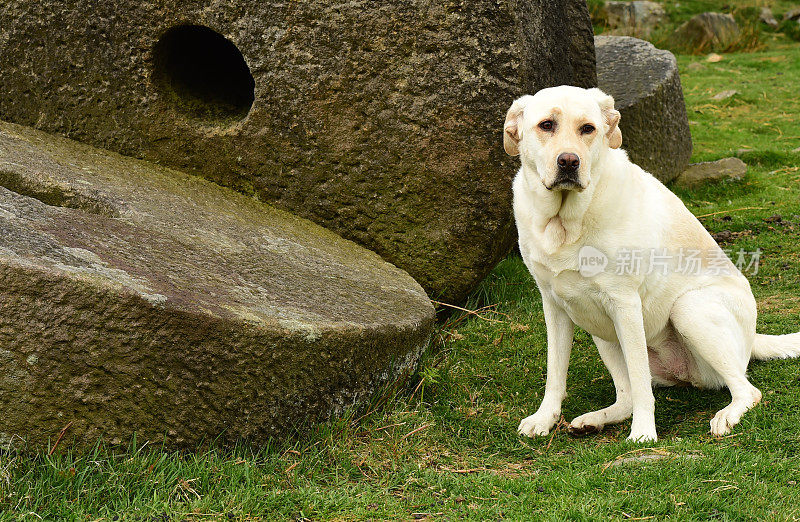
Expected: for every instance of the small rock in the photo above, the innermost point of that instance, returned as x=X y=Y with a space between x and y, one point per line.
x=792 y=14
x=650 y=457
x=724 y=95
x=637 y=460
x=695 y=66
x=726 y=168
x=707 y=31
x=714 y=58
x=766 y=17
x=636 y=18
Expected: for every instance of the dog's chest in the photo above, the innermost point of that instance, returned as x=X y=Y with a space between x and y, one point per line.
x=582 y=301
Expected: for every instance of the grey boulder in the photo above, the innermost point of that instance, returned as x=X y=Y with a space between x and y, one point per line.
x=766 y=17
x=707 y=32
x=637 y=18
x=707 y=171
x=647 y=91
x=140 y=300
x=792 y=14
x=380 y=121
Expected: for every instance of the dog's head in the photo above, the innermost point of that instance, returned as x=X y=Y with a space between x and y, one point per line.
x=561 y=132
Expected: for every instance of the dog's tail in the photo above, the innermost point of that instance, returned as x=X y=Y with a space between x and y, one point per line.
x=776 y=346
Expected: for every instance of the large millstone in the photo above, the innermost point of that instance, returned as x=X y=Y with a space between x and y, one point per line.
x=646 y=87
x=137 y=299
x=379 y=120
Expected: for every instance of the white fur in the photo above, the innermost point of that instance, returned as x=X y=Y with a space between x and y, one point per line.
x=663 y=327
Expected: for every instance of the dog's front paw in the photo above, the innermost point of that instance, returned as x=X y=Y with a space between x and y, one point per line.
x=643 y=427
x=538 y=424
x=586 y=424
x=643 y=435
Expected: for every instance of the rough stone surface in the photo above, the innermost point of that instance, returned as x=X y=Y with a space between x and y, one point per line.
x=139 y=299
x=792 y=14
x=726 y=168
x=581 y=54
x=637 y=18
x=765 y=16
x=382 y=121
x=647 y=91
x=649 y=457
x=707 y=32
x=724 y=95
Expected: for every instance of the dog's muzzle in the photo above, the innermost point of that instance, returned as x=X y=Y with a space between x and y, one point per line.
x=567 y=178
x=566 y=181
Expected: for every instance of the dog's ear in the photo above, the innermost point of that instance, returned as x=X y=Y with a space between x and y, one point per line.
x=611 y=116
x=512 y=133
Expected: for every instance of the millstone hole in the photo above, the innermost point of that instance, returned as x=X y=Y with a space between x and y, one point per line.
x=203 y=74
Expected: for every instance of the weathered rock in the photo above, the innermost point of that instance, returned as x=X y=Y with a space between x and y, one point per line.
x=792 y=14
x=379 y=120
x=637 y=18
x=766 y=17
x=581 y=55
x=622 y=460
x=707 y=32
x=646 y=87
x=726 y=168
x=724 y=95
x=137 y=299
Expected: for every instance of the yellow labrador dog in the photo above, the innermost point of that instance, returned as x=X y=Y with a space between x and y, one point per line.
x=615 y=252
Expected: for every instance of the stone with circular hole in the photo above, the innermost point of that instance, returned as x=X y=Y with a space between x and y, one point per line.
x=203 y=75
x=378 y=120
x=141 y=301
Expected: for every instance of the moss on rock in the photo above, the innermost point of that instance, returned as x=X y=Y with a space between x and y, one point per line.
x=378 y=120
x=137 y=299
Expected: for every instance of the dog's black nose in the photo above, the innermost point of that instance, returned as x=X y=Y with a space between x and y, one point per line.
x=568 y=162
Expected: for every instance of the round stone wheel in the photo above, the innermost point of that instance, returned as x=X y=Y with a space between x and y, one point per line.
x=140 y=300
x=647 y=91
x=381 y=121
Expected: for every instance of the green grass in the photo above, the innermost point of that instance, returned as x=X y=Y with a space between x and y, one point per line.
x=680 y=10
x=446 y=448
x=746 y=12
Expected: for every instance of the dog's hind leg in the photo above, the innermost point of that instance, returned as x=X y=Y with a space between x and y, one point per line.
x=707 y=324
x=622 y=409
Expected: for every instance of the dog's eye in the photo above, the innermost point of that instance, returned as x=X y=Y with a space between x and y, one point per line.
x=587 y=129
x=546 y=125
